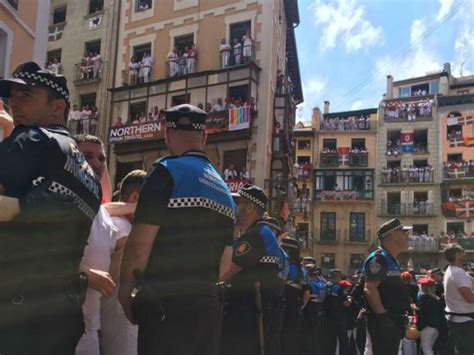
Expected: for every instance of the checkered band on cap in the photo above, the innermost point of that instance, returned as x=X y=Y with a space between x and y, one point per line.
x=270 y=260
x=170 y=124
x=47 y=82
x=384 y=234
x=192 y=126
x=186 y=202
x=246 y=195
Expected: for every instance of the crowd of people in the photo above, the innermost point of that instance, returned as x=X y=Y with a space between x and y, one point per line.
x=230 y=173
x=303 y=170
x=393 y=148
x=140 y=70
x=240 y=51
x=408 y=174
x=83 y=121
x=55 y=66
x=351 y=123
x=410 y=111
x=90 y=66
x=182 y=62
x=455 y=135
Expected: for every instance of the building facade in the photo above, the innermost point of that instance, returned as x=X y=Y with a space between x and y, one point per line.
x=82 y=46
x=251 y=113
x=23 y=33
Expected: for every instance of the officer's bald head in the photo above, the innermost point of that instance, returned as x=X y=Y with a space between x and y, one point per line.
x=181 y=140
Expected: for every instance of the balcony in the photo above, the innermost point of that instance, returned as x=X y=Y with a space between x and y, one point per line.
x=408 y=110
x=329 y=160
x=397 y=176
x=83 y=126
x=356 y=237
x=458 y=173
x=419 y=245
x=343 y=195
x=328 y=236
x=393 y=209
x=87 y=74
x=359 y=159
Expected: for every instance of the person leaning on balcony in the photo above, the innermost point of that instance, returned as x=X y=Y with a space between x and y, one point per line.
x=93 y=120
x=133 y=68
x=73 y=120
x=85 y=119
x=218 y=106
x=145 y=69
x=247 y=40
x=386 y=295
x=224 y=49
x=96 y=61
x=237 y=52
x=191 y=59
x=172 y=60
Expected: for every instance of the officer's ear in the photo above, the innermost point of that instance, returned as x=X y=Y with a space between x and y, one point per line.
x=134 y=197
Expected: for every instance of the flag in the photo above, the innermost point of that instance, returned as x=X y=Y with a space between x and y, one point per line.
x=343 y=155
x=239 y=118
x=406 y=140
x=465 y=209
x=469 y=142
x=456 y=142
x=465 y=120
x=55 y=32
x=456 y=173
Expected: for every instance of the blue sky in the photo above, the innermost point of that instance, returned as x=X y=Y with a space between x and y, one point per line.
x=346 y=48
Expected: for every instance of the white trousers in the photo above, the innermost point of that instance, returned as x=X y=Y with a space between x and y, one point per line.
x=428 y=338
x=88 y=344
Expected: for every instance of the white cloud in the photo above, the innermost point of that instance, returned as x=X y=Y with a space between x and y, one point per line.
x=345 y=20
x=357 y=105
x=417 y=29
x=445 y=7
x=464 y=44
x=314 y=86
x=313 y=90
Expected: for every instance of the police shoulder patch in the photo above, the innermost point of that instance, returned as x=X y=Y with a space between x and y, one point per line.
x=242 y=248
x=374 y=266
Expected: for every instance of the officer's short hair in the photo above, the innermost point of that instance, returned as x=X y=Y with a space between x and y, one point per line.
x=132 y=182
x=88 y=138
x=451 y=251
x=54 y=95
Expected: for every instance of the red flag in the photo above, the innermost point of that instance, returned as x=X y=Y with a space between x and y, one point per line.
x=465 y=209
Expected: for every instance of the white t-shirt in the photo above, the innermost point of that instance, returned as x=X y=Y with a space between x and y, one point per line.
x=454 y=279
x=99 y=248
x=74 y=115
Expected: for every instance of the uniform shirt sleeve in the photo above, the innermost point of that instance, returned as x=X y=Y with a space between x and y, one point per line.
x=249 y=250
x=154 y=197
x=21 y=157
x=376 y=268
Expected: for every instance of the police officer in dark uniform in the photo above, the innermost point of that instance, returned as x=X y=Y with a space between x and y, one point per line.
x=335 y=306
x=295 y=288
x=185 y=211
x=386 y=295
x=257 y=286
x=41 y=244
x=314 y=314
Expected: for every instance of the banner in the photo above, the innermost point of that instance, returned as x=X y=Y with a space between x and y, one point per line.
x=406 y=140
x=343 y=155
x=239 y=118
x=469 y=142
x=456 y=173
x=452 y=121
x=236 y=184
x=464 y=209
x=136 y=132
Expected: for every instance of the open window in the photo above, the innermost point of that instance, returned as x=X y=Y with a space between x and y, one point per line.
x=455 y=157
x=304 y=145
x=419 y=229
x=92 y=47
x=239 y=93
x=95 y=6
x=238 y=30
x=422 y=163
x=330 y=144
x=455 y=193
x=143 y=5
x=420 y=89
x=358 y=143
x=54 y=54
x=59 y=14
x=420 y=140
x=455 y=227
x=394 y=164
x=237 y=158
x=137 y=111
x=181 y=42
x=140 y=50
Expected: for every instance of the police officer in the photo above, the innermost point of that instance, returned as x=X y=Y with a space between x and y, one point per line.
x=314 y=314
x=41 y=244
x=257 y=287
x=185 y=208
x=295 y=289
x=335 y=305
x=386 y=295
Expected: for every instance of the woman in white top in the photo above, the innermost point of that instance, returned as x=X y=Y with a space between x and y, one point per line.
x=225 y=49
x=133 y=67
x=237 y=52
x=172 y=60
x=248 y=44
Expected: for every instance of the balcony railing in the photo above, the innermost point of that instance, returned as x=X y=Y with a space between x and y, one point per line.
x=358 y=159
x=329 y=159
x=343 y=125
x=424 y=245
x=83 y=126
x=356 y=236
x=404 y=110
x=459 y=172
x=407 y=209
x=87 y=74
x=402 y=176
x=343 y=195
x=328 y=236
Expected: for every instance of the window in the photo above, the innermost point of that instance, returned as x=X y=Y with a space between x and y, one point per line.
x=179 y=100
x=303 y=160
x=238 y=30
x=87 y=99
x=420 y=141
x=328 y=226
x=95 y=6
x=393 y=205
x=54 y=54
x=239 y=92
x=3 y=54
x=328 y=261
x=182 y=42
x=142 y=5
x=92 y=47
x=392 y=164
x=420 y=89
x=455 y=227
x=137 y=110
x=13 y=3
x=453 y=132
x=124 y=168
x=238 y=158
x=434 y=87
x=455 y=193
x=462 y=92
x=356 y=261
x=357 y=227
x=330 y=143
x=405 y=92
x=420 y=163
x=419 y=229
x=304 y=145
x=358 y=143
x=302 y=234
x=140 y=50
x=59 y=15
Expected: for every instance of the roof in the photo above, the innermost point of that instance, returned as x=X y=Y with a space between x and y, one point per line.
x=420 y=78
x=293 y=65
x=292 y=12
x=367 y=111
x=303 y=132
x=462 y=82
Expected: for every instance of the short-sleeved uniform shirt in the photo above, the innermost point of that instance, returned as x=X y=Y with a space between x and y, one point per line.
x=394 y=294
x=59 y=198
x=186 y=197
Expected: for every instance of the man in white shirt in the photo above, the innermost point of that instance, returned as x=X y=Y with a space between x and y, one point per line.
x=218 y=106
x=459 y=297
x=73 y=120
x=147 y=63
x=119 y=336
x=96 y=60
x=85 y=119
x=230 y=173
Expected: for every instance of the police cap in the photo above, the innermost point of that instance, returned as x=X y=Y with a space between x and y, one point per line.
x=335 y=271
x=436 y=271
x=31 y=74
x=290 y=243
x=390 y=227
x=309 y=259
x=193 y=113
x=272 y=222
x=254 y=194
x=311 y=269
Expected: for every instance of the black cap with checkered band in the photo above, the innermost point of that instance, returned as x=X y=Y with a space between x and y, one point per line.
x=254 y=194
x=390 y=227
x=196 y=116
x=31 y=74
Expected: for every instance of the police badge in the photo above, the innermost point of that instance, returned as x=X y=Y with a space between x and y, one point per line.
x=374 y=266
